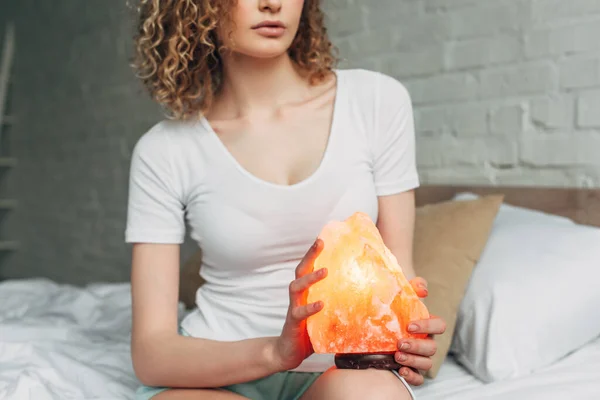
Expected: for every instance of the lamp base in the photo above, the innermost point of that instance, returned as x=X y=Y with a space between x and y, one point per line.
x=366 y=360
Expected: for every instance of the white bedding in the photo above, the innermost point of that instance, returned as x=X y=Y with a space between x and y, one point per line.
x=577 y=376
x=59 y=342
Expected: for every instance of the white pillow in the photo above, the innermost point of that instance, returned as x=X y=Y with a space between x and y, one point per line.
x=533 y=297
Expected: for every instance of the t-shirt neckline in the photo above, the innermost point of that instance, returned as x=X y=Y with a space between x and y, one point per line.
x=324 y=159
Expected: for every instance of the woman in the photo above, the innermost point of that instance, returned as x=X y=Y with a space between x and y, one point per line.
x=267 y=143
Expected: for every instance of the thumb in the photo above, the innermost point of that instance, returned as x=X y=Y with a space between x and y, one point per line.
x=420 y=286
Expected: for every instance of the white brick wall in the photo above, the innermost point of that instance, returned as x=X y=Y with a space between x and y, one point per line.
x=505 y=91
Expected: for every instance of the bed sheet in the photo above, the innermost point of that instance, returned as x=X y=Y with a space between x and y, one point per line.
x=59 y=342
x=63 y=342
x=576 y=376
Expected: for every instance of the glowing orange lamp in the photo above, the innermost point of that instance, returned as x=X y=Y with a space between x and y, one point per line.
x=368 y=300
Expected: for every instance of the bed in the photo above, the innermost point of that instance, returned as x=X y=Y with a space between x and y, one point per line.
x=66 y=342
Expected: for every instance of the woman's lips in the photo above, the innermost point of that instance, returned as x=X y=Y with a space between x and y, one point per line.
x=270 y=29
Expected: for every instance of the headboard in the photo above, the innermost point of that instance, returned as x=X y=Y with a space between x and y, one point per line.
x=581 y=205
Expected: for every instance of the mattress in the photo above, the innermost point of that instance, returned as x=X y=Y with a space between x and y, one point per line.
x=62 y=342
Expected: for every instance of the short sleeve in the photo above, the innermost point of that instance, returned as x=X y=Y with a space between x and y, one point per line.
x=155 y=211
x=394 y=159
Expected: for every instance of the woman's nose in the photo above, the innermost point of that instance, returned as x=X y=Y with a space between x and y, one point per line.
x=273 y=6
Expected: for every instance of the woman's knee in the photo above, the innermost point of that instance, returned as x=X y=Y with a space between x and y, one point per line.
x=358 y=384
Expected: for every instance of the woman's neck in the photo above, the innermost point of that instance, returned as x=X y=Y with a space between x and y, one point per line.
x=259 y=86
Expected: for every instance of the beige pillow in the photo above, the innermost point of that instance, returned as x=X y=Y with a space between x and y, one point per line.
x=190 y=280
x=449 y=238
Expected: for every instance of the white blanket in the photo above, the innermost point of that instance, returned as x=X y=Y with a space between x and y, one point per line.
x=574 y=377
x=60 y=342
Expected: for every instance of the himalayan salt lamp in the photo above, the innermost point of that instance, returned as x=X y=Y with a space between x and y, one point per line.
x=368 y=302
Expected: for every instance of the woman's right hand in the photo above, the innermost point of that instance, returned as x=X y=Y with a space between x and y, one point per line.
x=293 y=345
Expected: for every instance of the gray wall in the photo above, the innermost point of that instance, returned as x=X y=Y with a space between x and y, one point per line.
x=79 y=114
x=505 y=92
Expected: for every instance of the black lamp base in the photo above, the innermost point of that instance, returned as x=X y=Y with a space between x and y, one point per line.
x=366 y=360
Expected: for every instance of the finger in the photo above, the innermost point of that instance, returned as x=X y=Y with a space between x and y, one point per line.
x=432 y=326
x=412 y=377
x=420 y=286
x=421 y=347
x=300 y=313
x=299 y=286
x=413 y=361
x=307 y=263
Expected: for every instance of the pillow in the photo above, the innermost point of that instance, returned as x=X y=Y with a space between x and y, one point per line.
x=190 y=280
x=449 y=238
x=533 y=297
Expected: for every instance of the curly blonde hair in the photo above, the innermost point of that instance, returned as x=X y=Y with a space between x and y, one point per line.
x=177 y=54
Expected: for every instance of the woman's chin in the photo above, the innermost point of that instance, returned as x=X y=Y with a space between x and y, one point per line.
x=267 y=50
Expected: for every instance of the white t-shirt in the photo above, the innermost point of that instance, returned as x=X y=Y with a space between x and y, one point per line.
x=253 y=233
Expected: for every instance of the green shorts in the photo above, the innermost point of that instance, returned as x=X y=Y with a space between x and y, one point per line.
x=281 y=386
x=287 y=385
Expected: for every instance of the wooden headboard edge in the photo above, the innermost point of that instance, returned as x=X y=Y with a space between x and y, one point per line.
x=581 y=205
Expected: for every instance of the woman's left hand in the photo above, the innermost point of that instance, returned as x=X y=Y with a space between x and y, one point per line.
x=415 y=354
